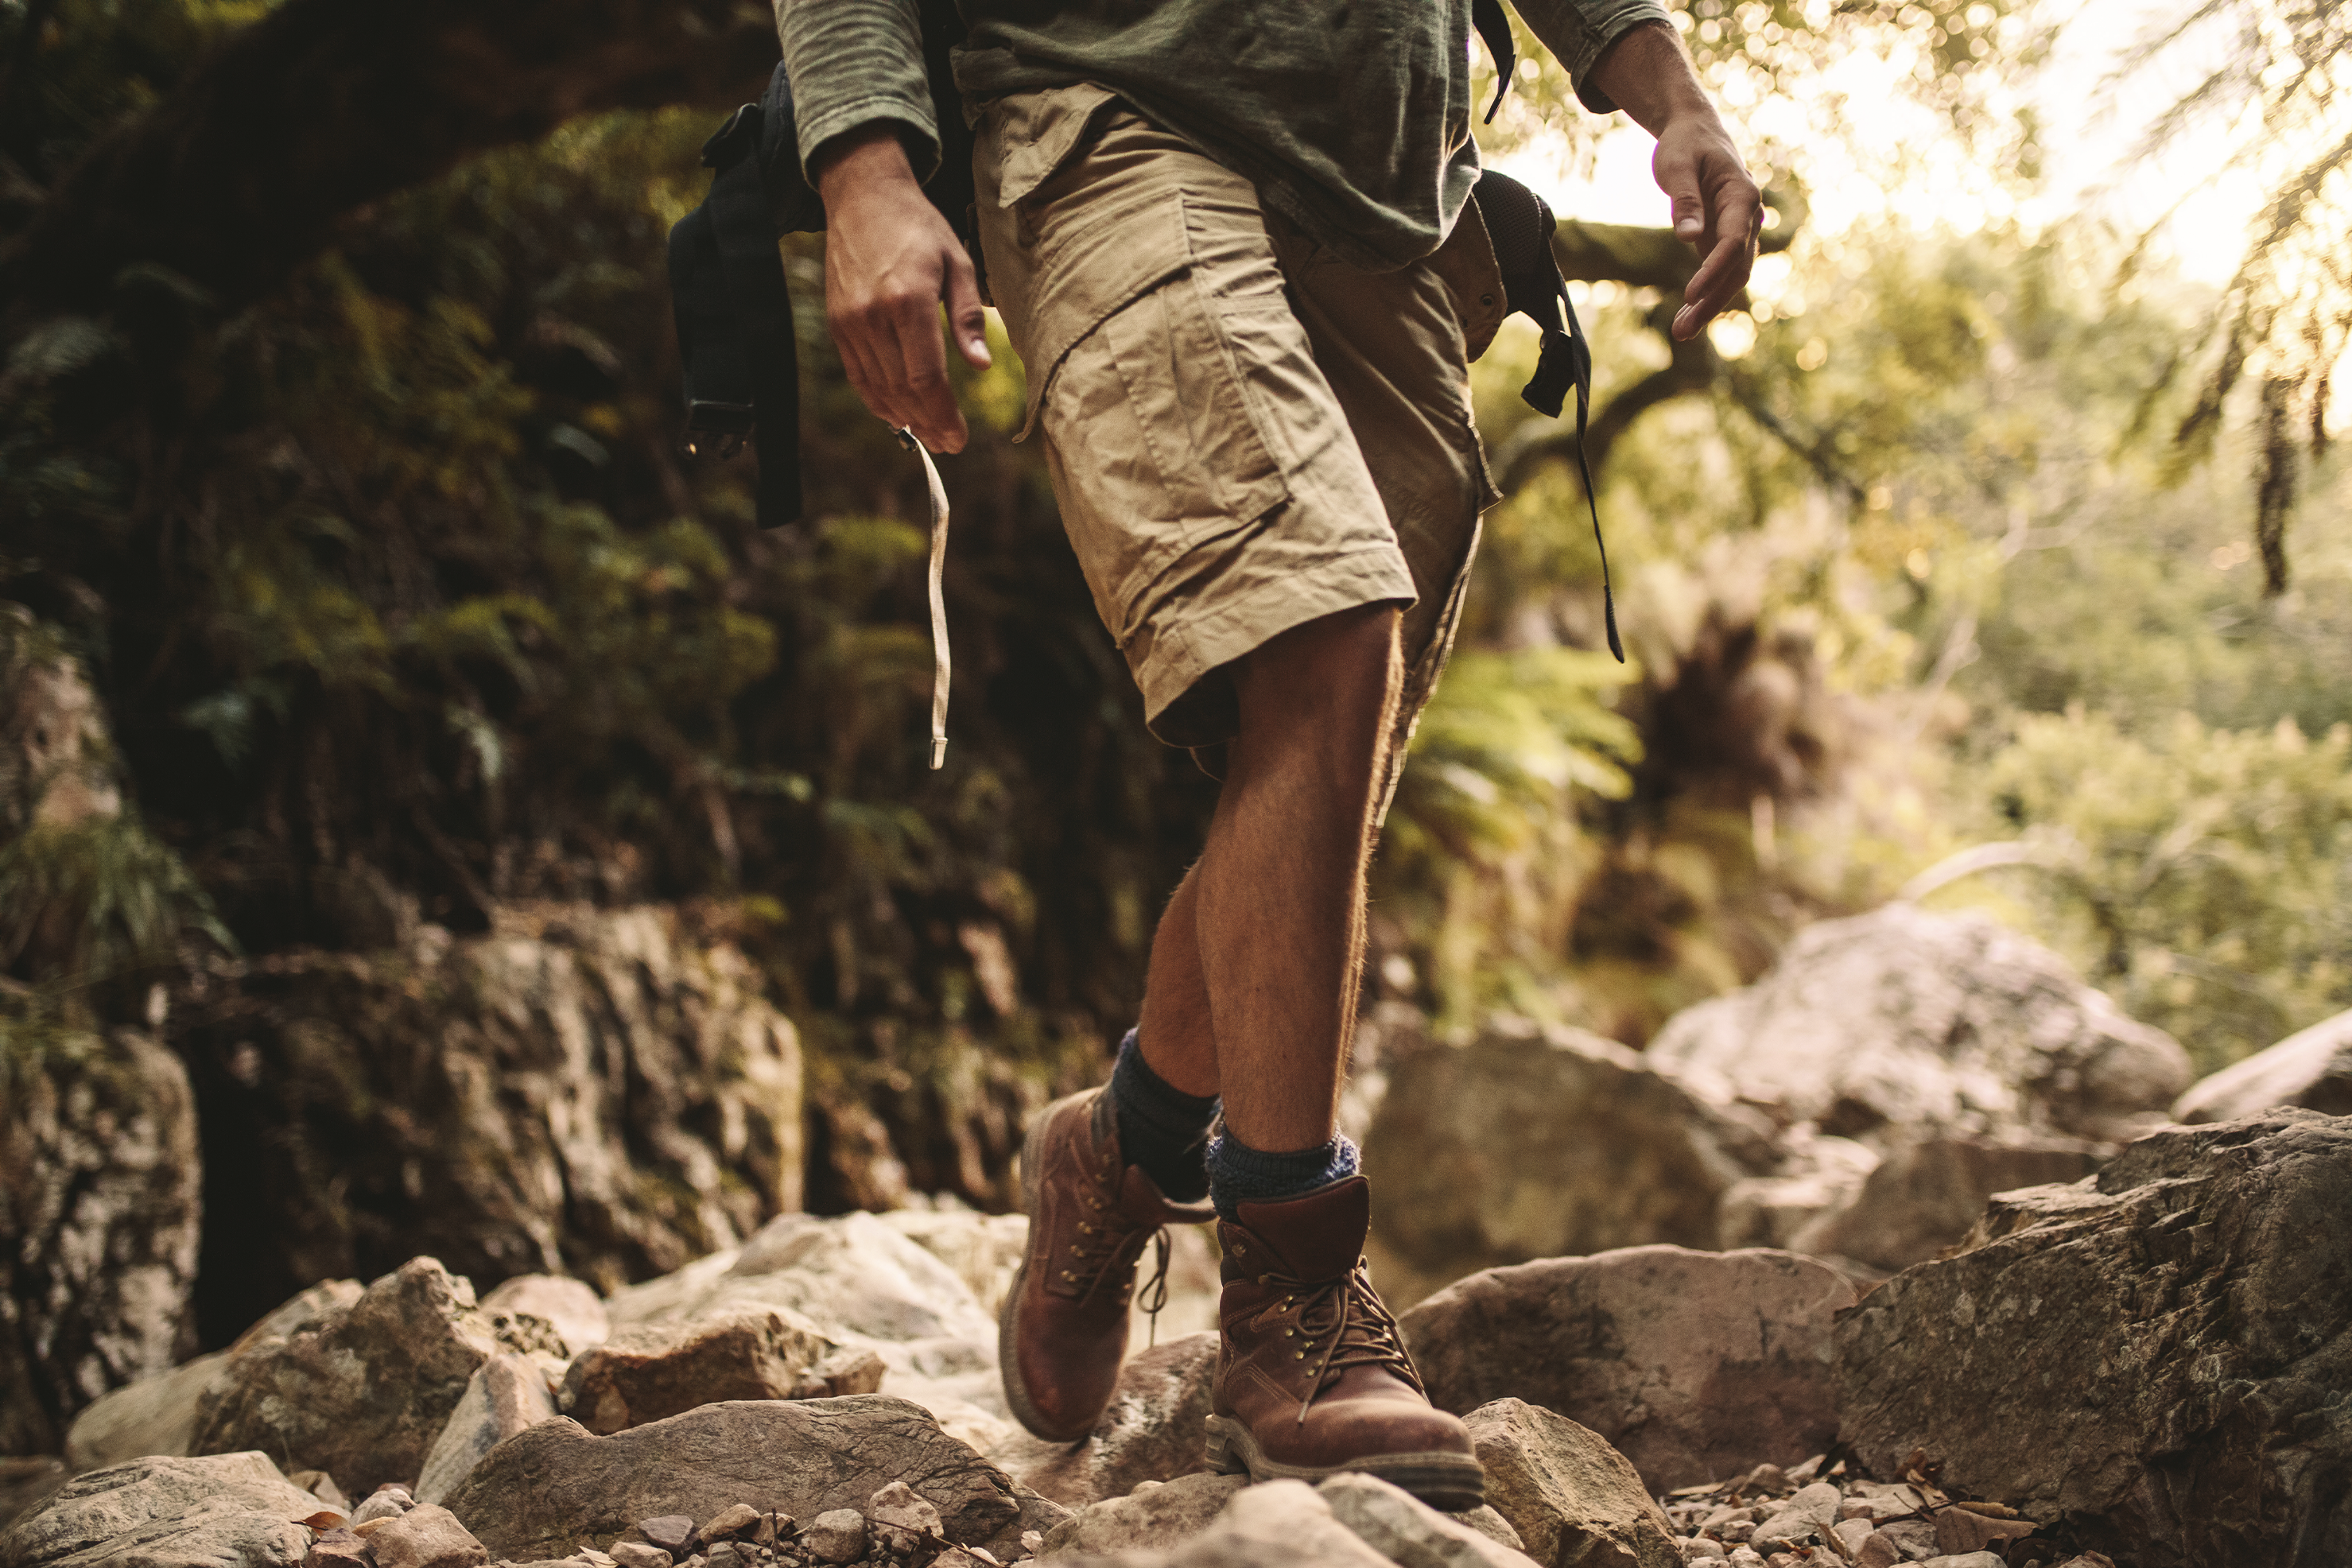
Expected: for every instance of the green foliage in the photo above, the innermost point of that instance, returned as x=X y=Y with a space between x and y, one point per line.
x=97 y=903
x=2205 y=876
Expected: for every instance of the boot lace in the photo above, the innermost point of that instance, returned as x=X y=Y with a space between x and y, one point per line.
x=1106 y=1241
x=1341 y=1323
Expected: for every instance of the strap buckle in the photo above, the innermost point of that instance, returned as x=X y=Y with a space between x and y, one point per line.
x=724 y=425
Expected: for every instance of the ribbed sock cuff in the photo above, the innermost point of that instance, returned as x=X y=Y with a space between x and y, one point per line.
x=1239 y=1174
x=1162 y=1128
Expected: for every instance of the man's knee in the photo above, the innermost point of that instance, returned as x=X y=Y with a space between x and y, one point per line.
x=1342 y=662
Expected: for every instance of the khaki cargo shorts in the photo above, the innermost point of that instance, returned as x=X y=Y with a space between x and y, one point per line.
x=1243 y=432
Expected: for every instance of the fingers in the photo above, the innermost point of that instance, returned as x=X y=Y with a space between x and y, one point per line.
x=1729 y=241
x=967 y=320
x=890 y=349
x=921 y=393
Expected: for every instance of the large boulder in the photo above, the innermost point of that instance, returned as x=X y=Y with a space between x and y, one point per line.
x=1694 y=1364
x=1537 y=1141
x=2160 y=1353
x=1926 y=1192
x=579 y=1091
x=362 y=1393
x=508 y=1393
x=558 y=1486
x=1907 y=1019
x=2312 y=1070
x=204 y=1513
x=100 y=1205
x=158 y=1414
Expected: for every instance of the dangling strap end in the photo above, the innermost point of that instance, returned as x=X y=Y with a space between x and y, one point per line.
x=1608 y=615
x=940 y=743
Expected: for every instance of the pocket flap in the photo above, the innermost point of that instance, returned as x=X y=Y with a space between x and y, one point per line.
x=1095 y=273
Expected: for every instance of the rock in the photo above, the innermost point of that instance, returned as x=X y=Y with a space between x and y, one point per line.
x=837 y=1536
x=1878 y=1550
x=506 y=1395
x=852 y=1273
x=1574 y=1499
x=1960 y=1531
x=364 y=1392
x=639 y=1554
x=26 y=1483
x=430 y=1537
x=387 y=1502
x=339 y=1549
x=321 y=1485
x=2178 y=1328
x=157 y=1415
x=605 y=1096
x=1914 y=1538
x=1850 y=1534
x=1817 y=1173
x=1924 y=1196
x=1492 y=1526
x=1801 y=1520
x=649 y=1371
x=570 y=1306
x=1691 y=1364
x=167 y=1513
x=1156 y=1517
x=1471 y=1169
x=1935 y=1022
x=1275 y=1524
x=1151 y=1431
x=1969 y=1560
x=899 y=1519
x=984 y=1249
x=673 y=1532
x=559 y=1485
x=2312 y=1070
x=100 y=1205
x=1408 y=1532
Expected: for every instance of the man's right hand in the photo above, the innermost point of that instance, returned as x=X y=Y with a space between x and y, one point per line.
x=889 y=259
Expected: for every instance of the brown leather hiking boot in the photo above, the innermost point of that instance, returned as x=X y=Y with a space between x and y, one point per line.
x=1063 y=1330
x=1312 y=1378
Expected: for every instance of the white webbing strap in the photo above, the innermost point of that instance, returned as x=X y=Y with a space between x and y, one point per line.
x=941 y=664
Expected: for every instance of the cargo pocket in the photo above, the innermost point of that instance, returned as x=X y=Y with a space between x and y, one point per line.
x=1137 y=386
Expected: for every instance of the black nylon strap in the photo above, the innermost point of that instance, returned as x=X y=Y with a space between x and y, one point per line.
x=1495 y=26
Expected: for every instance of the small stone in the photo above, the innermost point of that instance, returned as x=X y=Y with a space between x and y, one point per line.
x=1699 y=1549
x=1914 y=1538
x=727 y=1554
x=428 y=1537
x=900 y=1518
x=1850 y=1534
x=387 y=1502
x=1745 y=1557
x=337 y=1549
x=1960 y=1531
x=1032 y=1541
x=1967 y=1560
x=838 y=1535
x=639 y=1554
x=1877 y=1551
x=735 y=1522
x=670 y=1532
x=320 y=1485
x=1765 y=1478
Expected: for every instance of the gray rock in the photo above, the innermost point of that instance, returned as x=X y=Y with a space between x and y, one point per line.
x=646 y=1372
x=100 y=1204
x=1924 y=1196
x=1472 y=1169
x=570 y=1306
x=430 y=1537
x=900 y=1518
x=167 y=1513
x=1151 y=1431
x=1408 y=1532
x=1801 y=1520
x=364 y=1392
x=25 y=1483
x=388 y=1502
x=1574 y=1499
x=850 y=1273
x=559 y=1486
x=837 y=1536
x=607 y=1095
x=1930 y=1022
x=1695 y=1365
x=639 y=1554
x=1492 y=1526
x=506 y=1395
x=673 y=1532
x=1276 y=1524
x=157 y=1415
x=2312 y=1070
x=1156 y=1517
x=2179 y=1327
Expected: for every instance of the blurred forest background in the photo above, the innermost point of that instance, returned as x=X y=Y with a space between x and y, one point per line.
x=1988 y=562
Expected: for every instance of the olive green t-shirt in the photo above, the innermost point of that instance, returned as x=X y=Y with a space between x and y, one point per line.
x=1351 y=117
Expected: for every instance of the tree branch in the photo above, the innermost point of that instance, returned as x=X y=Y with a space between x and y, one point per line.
x=241 y=174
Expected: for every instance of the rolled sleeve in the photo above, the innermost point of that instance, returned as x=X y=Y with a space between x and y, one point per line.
x=855 y=63
x=1579 y=32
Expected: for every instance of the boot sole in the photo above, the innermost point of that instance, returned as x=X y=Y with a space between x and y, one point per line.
x=1448 y=1481
x=1016 y=1391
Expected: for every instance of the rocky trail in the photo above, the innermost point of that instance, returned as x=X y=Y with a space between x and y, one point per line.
x=1982 y=1286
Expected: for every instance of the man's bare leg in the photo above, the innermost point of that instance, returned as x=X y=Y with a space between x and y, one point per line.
x=1256 y=965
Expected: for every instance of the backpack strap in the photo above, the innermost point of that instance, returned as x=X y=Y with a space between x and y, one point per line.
x=734 y=317
x=1494 y=27
x=1519 y=224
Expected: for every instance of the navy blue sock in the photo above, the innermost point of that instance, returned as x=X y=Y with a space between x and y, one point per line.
x=1239 y=1174
x=1162 y=1128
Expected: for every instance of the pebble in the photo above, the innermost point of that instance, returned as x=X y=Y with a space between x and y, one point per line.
x=839 y=1536
x=388 y=1502
x=735 y=1522
x=900 y=1518
x=1032 y=1541
x=639 y=1554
